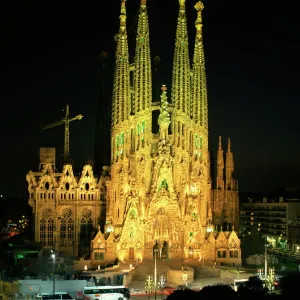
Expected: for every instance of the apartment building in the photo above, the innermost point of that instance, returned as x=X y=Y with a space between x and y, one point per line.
x=275 y=217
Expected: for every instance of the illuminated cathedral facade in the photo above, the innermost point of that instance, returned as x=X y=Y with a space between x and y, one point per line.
x=157 y=192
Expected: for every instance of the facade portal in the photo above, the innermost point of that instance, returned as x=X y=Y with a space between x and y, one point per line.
x=165 y=250
x=131 y=253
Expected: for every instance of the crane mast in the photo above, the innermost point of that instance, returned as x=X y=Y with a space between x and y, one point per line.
x=66 y=120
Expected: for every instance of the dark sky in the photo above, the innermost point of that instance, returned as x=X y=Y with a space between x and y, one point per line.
x=50 y=57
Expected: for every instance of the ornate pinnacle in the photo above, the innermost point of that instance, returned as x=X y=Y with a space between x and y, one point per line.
x=181 y=2
x=199 y=6
x=164 y=116
x=229 y=145
x=143 y=2
x=123 y=7
x=123 y=14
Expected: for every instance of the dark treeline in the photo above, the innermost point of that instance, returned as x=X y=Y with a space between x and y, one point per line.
x=252 y=289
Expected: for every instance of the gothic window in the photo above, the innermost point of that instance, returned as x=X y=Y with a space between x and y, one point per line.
x=117 y=141
x=43 y=231
x=196 y=141
x=50 y=227
x=164 y=184
x=233 y=244
x=194 y=217
x=70 y=234
x=86 y=228
x=222 y=254
x=63 y=229
x=131 y=234
x=132 y=214
x=98 y=255
x=143 y=126
x=67 y=213
x=46 y=227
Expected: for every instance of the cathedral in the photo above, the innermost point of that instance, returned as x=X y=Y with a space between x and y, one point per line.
x=156 y=197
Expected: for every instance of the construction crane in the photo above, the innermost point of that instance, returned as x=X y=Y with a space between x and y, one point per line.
x=66 y=120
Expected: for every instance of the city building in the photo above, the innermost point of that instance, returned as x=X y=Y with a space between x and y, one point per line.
x=274 y=217
x=158 y=194
x=294 y=235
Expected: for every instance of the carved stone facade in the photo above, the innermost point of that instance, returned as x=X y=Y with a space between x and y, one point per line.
x=158 y=190
x=66 y=208
x=159 y=195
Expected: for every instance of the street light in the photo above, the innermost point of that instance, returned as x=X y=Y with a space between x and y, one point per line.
x=266 y=260
x=53 y=271
x=155 y=272
x=149 y=285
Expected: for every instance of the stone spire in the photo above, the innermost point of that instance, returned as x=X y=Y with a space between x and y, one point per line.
x=142 y=79
x=199 y=88
x=164 y=116
x=181 y=66
x=229 y=167
x=220 y=166
x=121 y=102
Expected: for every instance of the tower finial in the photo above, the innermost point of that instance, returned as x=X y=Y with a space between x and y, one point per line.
x=123 y=14
x=164 y=116
x=199 y=7
x=143 y=2
x=181 y=3
x=220 y=143
x=229 y=145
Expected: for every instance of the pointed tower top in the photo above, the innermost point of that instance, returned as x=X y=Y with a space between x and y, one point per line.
x=181 y=3
x=229 y=145
x=143 y=2
x=220 y=143
x=164 y=106
x=123 y=14
x=164 y=116
x=199 y=7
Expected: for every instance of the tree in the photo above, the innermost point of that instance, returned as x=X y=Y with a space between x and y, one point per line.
x=252 y=289
x=252 y=244
x=218 y=291
x=289 y=285
x=184 y=294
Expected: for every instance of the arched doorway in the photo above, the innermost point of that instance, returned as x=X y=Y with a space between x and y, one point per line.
x=191 y=253
x=165 y=250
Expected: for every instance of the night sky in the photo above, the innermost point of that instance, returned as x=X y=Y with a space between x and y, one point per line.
x=50 y=57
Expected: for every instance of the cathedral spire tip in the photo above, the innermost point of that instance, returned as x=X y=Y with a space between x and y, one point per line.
x=229 y=145
x=123 y=14
x=199 y=7
x=181 y=3
x=220 y=143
